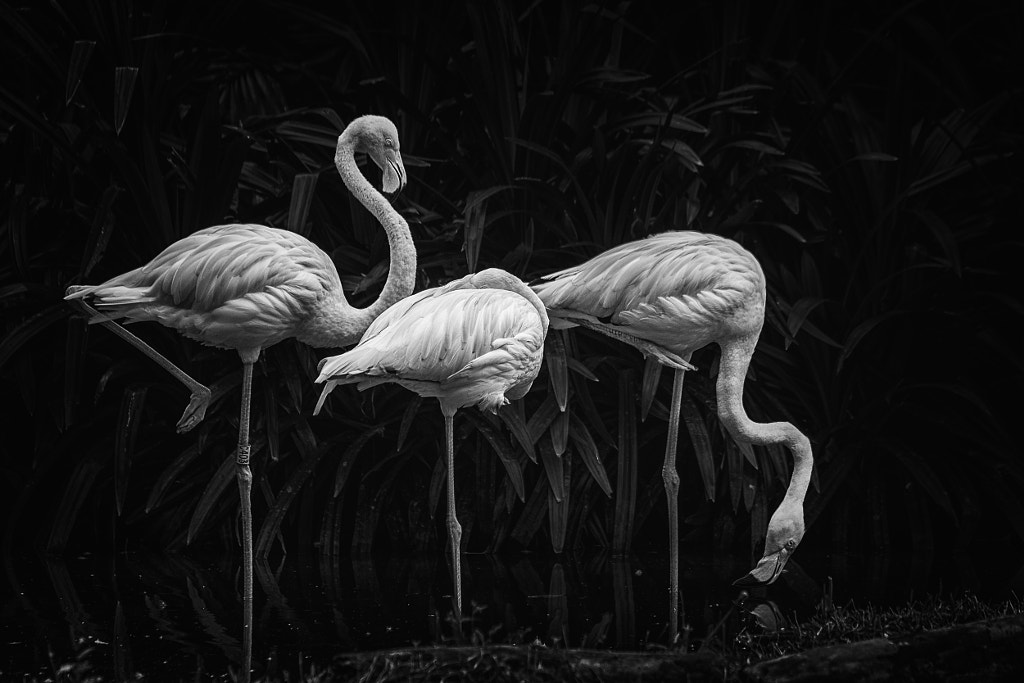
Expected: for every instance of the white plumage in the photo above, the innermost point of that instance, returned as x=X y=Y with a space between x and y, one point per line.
x=476 y=341
x=230 y=286
x=246 y=287
x=669 y=295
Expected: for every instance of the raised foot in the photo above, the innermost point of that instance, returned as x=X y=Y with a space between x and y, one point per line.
x=195 y=411
x=668 y=358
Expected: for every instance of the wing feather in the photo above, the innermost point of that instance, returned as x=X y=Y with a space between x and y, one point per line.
x=458 y=343
x=228 y=285
x=674 y=288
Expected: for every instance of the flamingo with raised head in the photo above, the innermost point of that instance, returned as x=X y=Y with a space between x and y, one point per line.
x=669 y=295
x=247 y=287
x=476 y=341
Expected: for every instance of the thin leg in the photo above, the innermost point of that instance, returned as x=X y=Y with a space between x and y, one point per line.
x=671 y=479
x=195 y=411
x=244 y=475
x=454 y=529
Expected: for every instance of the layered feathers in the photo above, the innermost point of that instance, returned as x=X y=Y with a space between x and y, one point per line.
x=471 y=342
x=231 y=286
x=675 y=289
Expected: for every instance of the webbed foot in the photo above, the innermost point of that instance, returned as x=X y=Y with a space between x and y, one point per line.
x=195 y=411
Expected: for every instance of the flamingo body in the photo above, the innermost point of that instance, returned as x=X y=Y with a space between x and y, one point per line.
x=678 y=290
x=476 y=341
x=669 y=295
x=464 y=344
x=247 y=287
x=229 y=286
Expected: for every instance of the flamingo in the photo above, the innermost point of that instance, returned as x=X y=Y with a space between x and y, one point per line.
x=475 y=341
x=247 y=287
x=669 y=295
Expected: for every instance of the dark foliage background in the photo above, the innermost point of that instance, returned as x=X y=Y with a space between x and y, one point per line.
x=868 y=153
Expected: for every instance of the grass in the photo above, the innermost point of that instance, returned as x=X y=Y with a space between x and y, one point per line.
x=769 y=635
x=751 y=631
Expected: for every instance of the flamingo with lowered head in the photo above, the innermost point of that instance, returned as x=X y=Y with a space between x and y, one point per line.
x=476 y=341
x=669 y=295
x=247 y=287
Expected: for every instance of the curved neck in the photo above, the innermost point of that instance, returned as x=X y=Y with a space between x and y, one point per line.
x=402 y=273
x=522 y=289
x=732 y=371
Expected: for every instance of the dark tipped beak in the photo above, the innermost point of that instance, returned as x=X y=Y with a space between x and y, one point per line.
x=767 y=570
x=394 y=174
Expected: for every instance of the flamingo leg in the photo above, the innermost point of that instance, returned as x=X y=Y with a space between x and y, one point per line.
x=195 y=411
x=454 y=528
x=671 y=479
x=244 y=476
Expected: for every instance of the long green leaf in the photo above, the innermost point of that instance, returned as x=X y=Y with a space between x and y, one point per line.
x=587 y=449
x=408 y=415
x=860 y=332
x=132 y=405
x=303 y=192
x=625 y=484
x=311 y=455
x=553 y=467
x=348 y=458
x=124 y=86
x=558 y=510
x=81 y=51
x=649 y=385
x=513 y=418
x=533 y=512
x=734 y=462
x=170 y=474
x=541 y=420
x=78 y=490
x=504 y=452
x=475 y=219
x=214 y=488
x=560 y=433
x=25 y=331
x=99 y=234
x=658 y=120
x=554 y=357
x=701 y=445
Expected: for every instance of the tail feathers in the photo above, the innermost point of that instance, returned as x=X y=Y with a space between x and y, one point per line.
x=328 y=388
x=335 y=368
x=122 y=296
x=92 y=316
x=108 y=297
x=77 y=292
x=492 y=402
x=361 y=381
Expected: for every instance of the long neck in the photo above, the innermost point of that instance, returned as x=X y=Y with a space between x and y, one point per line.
x=531 y=296
x=732 y=371
x=402 y=274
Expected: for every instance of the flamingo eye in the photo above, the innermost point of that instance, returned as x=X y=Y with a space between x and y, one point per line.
x=790 y=544
x=388 y=142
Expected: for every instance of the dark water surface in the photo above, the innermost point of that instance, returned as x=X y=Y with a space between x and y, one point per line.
x=179 y=617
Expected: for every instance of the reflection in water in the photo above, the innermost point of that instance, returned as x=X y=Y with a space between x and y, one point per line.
x=179 y=615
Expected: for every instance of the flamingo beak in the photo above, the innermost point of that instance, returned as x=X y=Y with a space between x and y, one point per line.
x=394 y=172
x=767 y=570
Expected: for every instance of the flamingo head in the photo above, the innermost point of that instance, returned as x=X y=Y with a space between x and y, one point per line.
x=378 y=137
x=785 y=531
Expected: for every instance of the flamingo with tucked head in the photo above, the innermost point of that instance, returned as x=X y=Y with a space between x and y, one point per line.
x=476 y=341
x=247 y=287
x=669 y=295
